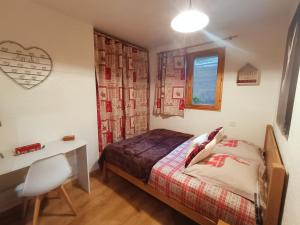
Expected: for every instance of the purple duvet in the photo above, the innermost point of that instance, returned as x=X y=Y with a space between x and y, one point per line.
x=138 y=155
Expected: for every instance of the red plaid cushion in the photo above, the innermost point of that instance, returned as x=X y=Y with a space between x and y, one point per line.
x=214 y=133
x=195 y=151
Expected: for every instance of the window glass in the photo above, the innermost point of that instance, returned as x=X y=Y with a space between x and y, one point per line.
x=205 y=80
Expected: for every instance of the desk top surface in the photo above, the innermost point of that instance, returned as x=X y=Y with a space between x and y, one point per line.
x=11 y=162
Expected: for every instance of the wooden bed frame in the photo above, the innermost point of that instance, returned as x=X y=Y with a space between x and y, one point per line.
x=275 y=183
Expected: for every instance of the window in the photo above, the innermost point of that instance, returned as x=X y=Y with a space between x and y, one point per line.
x=204 y=79
x=289 y=76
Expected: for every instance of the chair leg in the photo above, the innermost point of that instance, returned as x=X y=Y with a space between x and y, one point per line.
x=37 y=205
x=25 y=206
x=67 y=198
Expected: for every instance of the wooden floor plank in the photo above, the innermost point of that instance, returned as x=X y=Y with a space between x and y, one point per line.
x=116 y=202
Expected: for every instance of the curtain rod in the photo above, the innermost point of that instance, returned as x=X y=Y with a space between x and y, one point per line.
x=201 y=44
x=101 y=33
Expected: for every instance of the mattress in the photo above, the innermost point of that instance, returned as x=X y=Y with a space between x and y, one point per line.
x=209 y=200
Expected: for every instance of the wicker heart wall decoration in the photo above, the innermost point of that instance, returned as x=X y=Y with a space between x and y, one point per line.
x=28 y=67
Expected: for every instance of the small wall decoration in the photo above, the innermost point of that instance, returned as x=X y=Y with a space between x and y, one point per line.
x=248 y=75
x=177 y=92
x=179 y=62
x=28 y=67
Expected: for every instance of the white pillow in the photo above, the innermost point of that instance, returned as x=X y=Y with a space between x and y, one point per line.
x=229 y=172
x=220 y=135
x=200 y=139
x=241 y=149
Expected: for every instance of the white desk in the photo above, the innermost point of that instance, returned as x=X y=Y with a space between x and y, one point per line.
x=11 y=163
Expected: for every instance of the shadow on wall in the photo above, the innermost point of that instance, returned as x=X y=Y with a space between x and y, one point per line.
x=8 y=181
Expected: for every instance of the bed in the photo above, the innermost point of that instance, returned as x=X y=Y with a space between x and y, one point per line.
x=201 y=201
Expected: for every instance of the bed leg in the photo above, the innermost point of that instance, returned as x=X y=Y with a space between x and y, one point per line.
x=105 y=173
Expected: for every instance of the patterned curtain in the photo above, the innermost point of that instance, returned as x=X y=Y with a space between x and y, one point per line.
x=122 y=90
x=170 y=84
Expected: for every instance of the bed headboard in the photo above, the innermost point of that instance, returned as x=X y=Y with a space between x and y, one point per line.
x=275 y=179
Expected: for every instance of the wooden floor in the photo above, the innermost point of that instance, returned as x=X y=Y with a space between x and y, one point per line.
x=110 y=203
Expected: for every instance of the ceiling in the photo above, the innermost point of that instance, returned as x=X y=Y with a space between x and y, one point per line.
x=147 y=22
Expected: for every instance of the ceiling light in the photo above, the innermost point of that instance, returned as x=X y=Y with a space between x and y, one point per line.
x=189 y=21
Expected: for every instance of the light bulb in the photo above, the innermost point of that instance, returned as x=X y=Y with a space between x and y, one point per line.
x=190 y=21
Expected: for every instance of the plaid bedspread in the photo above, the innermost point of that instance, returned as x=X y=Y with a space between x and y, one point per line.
x=209 y=200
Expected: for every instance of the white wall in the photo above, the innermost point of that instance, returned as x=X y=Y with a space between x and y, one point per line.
x=246 y=110
x=63 y=104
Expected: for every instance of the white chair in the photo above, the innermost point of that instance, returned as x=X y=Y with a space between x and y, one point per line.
x=44 y=176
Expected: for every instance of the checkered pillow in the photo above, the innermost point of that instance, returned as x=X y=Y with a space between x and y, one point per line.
x=218 y=134
x=199 y=152
x=196 y=142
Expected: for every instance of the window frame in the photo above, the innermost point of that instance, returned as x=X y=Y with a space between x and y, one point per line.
x=220 y=52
